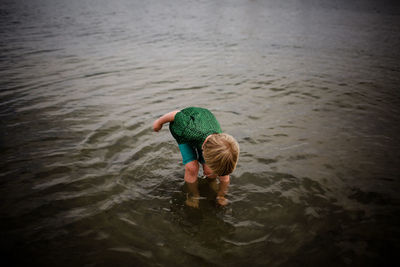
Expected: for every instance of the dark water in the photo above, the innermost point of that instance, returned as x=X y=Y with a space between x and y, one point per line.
x=310 y=89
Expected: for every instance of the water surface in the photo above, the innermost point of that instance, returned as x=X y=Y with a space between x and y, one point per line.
x=310 y=89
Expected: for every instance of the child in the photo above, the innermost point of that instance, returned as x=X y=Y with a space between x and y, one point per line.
x=198 y=132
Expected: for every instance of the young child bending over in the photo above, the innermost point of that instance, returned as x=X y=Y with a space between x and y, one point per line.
x=201 y=140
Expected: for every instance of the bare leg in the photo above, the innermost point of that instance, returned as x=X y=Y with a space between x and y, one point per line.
x=223 y=189
x=191 y=172
x=208 y=172
x=211 y=178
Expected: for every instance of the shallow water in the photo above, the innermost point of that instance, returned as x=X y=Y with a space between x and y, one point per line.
x=310 y=89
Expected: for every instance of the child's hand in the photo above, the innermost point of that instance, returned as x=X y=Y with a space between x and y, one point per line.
x=157 y=126
x=222 y=201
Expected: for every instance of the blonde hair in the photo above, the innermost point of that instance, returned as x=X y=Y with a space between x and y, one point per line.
x=221 y=153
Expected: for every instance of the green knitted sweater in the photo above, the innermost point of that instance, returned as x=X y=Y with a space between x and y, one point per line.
x=192 y=126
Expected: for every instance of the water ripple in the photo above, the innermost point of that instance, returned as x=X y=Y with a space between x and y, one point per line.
x=316 y=114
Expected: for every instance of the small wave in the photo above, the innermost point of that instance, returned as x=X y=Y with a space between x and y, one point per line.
x=251 y=242
x=189 y=88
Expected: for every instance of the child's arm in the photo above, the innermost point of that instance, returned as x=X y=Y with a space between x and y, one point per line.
x=158 y=123
x=223 y=189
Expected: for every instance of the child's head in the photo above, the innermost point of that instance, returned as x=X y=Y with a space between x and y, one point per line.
x=221 y=153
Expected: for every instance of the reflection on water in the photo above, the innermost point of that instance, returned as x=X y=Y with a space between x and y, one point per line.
x=309 y=89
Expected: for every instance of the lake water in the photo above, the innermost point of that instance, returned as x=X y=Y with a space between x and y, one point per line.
x=310 y=89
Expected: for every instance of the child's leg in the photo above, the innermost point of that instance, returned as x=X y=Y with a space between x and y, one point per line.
x=189 y=158
x=208 y=172
x=191 y=173
x=211 y=177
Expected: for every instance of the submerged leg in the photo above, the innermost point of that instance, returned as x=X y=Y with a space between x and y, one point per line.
x=211 y=178
x=191 y=172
